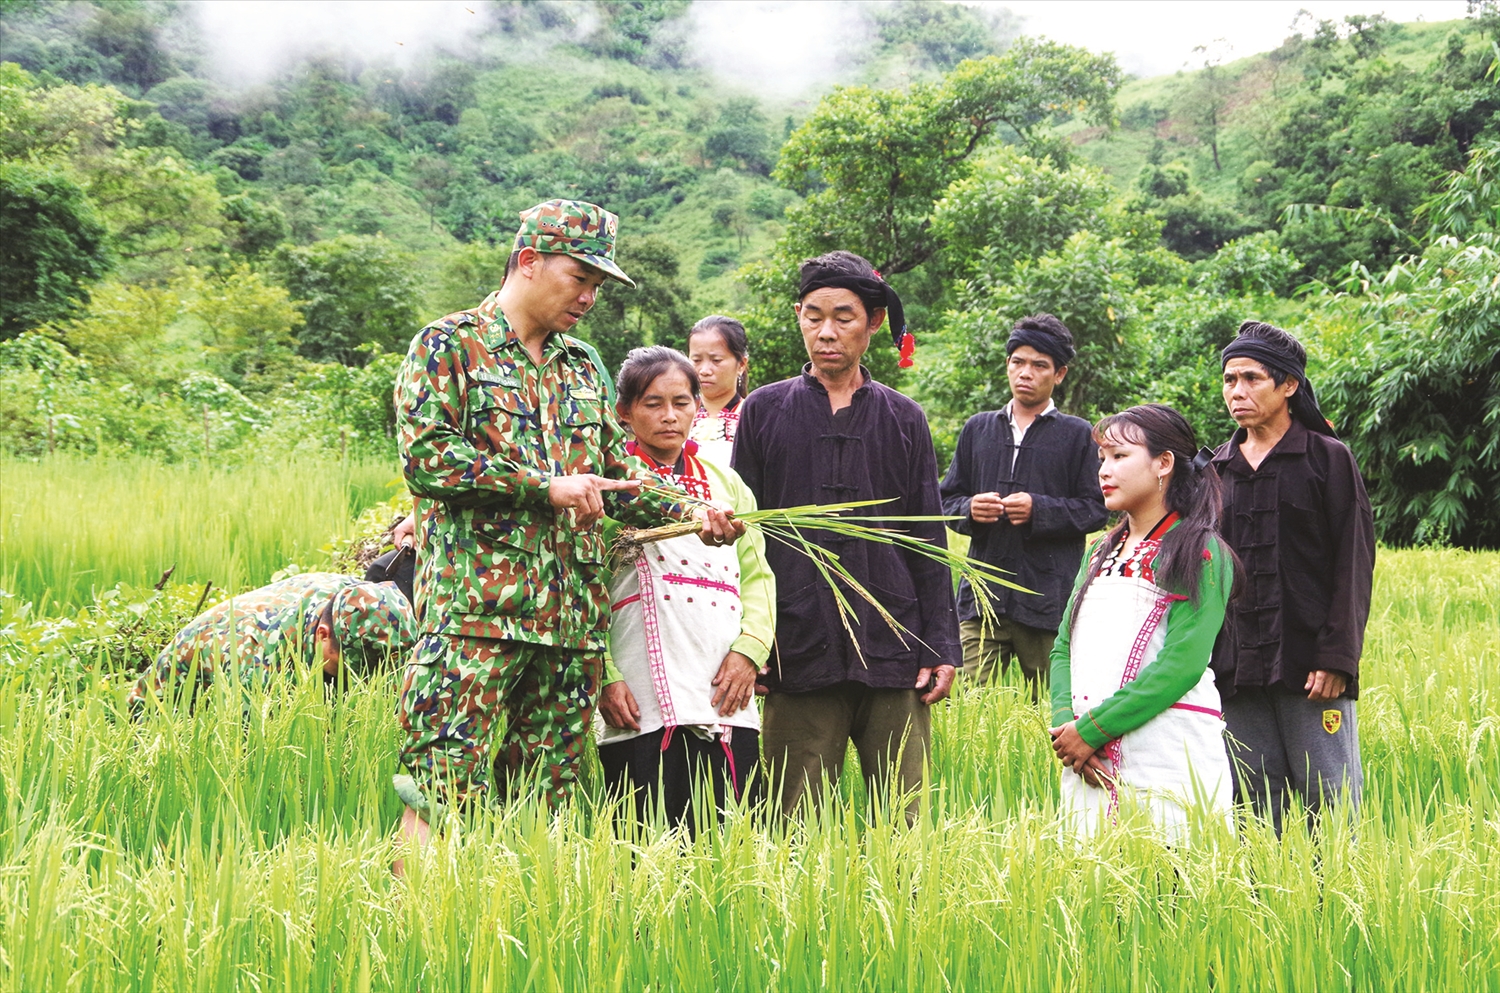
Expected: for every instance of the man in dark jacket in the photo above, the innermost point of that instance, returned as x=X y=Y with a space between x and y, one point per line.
x=1025 y=481
x=1296 y=513
x=833 y=435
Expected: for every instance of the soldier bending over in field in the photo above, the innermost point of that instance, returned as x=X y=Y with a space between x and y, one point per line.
x=315 y=619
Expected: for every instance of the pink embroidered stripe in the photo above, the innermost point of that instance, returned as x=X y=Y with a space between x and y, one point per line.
x=707 y=584
x=1196 y=709
x=1133 y=669
x=653 y=647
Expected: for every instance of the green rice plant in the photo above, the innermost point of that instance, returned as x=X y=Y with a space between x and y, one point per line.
x=207 y=851
x=791 y=526
x=72 y=527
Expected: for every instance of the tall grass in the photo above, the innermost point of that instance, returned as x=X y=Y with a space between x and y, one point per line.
x=209 y=852
x=72 y=526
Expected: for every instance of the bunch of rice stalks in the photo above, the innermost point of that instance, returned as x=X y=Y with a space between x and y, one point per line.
x=791 y=527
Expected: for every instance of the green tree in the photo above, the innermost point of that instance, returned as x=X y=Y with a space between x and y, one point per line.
x=941 y=34
x=872 y=163
x=1203 y=101
x=52 y=246
x=1372 y=136
x=353 y=290
x=1018 y=207
x=634 y=30
x=742 y=134
x=44 y=395
x=254 y=227
x=248 y=323
x=1415 y=382
x=432 y=175
x=129 y=36
x=123 y=334
x=159 y=209
x=655 y=312
x=469 y=274
x=1254 y=264
x=1193 y=224
x=45 y=122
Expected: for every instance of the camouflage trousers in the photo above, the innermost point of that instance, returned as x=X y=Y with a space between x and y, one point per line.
x=454 y=692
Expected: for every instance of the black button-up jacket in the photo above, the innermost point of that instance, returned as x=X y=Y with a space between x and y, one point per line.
x=792 y=450
x=1058 y=464
x=1302 y=527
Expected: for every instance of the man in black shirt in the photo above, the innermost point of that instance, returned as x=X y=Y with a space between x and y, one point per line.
x=1025 y=481
x=834 y=435
x=1296 y=513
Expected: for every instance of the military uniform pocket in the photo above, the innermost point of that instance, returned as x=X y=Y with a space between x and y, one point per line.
x=502 y=574
x=500 y=416
x=579 y=427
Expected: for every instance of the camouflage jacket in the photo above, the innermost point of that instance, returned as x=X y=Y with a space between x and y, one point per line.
x=260 y=632
x=483 y=430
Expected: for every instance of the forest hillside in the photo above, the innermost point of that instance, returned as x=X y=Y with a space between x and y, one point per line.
x=204 y=269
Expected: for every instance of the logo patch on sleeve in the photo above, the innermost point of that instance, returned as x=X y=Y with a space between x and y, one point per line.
x=1332 y=720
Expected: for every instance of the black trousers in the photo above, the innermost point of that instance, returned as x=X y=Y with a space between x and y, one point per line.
x=671 y=780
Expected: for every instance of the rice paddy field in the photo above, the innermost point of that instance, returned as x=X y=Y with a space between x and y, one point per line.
x=70 y=527
x=209 y=852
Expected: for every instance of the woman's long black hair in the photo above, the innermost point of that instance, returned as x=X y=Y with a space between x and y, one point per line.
x=1192 y=493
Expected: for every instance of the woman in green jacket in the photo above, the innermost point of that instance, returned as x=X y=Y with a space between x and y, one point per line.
x=691 y=624
x=1136 y=718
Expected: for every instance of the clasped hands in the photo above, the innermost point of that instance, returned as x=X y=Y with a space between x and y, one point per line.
x=583 y=493
x=988 y=508
x=1078 y=755
x=1072 y=751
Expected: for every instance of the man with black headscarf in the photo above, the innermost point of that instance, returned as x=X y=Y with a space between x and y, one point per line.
x=834 y=435
x=1024 y=482
x=1296 y=513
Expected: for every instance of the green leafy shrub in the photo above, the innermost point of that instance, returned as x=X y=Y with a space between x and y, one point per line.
x=1418 y=395
x=1254 y=264
x=353 y=290
x=1416 y=385
x=53 y=247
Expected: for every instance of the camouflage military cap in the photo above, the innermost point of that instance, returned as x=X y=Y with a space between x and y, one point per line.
x=373 y=620
x=571 y=227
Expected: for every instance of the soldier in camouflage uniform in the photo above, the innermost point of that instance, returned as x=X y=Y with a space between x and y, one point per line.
x=315 y=619
x=513 y=453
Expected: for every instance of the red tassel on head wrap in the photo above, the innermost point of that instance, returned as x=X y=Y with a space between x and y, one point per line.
x=908 y=348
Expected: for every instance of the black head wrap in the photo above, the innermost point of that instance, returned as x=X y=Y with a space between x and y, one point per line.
x=1043 y=341
x=1279 y=358
x=847 y=271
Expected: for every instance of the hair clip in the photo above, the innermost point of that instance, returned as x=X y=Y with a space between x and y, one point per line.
x=1202 y=459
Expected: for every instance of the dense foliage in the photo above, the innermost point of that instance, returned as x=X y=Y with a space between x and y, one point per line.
x=1416 y=375
x=195 y=269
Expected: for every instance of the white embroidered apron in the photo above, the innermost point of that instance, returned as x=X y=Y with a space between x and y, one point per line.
x=676 y=614
x=1174 y=763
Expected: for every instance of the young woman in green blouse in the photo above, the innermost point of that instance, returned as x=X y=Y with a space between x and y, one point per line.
x=1136 y=717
